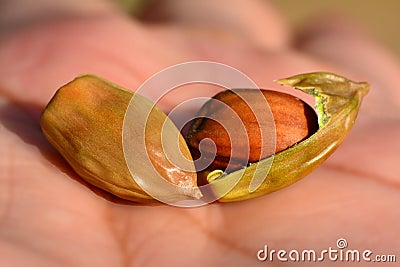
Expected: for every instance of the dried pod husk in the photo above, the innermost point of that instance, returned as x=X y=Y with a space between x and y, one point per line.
x=338 y=100
x=83 y=122
x=289 y=121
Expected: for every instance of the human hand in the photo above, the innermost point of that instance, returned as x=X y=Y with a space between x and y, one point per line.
x=49 y=216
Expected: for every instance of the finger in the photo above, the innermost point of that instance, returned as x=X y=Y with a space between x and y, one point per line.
x=348 y=46
x=255 y=21
x=34 y=62
x=39 y=53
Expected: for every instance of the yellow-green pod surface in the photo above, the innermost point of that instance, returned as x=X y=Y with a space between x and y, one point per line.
x=337 y=104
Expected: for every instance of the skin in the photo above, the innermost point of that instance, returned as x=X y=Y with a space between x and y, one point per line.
x=49 y=217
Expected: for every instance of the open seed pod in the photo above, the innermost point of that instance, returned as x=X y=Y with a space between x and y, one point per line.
x=85 y=122
x=337 y=104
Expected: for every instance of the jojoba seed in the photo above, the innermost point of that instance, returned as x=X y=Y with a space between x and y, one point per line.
x=292 y=121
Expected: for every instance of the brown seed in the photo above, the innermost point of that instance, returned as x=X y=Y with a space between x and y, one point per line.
x=294 y=121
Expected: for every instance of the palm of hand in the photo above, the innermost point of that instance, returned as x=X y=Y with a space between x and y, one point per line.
x=48 y=217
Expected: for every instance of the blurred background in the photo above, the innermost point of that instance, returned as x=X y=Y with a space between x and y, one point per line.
x=380 y=17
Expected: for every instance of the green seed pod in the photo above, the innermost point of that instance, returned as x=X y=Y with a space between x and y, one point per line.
x=337 y=104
